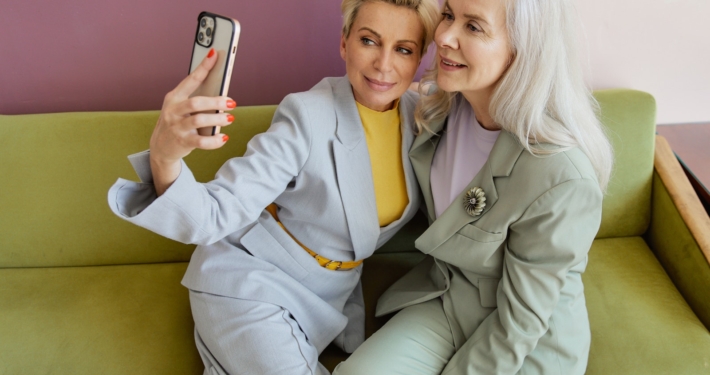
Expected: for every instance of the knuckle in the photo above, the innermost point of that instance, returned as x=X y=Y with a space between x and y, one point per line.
x=199 y=121
x=192 y=121
x=169 y=97
x=203 y=142
x=198 y=75
x=193 y=104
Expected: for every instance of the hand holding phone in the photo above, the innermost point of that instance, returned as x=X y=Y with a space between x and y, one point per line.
x=183 y=116
x=219 y=34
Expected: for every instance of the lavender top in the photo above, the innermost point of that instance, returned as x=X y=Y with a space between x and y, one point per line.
x=462 y=151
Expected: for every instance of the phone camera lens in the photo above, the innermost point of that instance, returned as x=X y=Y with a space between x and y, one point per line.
x=208 y=32
x=203 y=22
x=200 y=36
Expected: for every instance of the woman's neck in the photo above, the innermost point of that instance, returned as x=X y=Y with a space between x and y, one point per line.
x=480 y=102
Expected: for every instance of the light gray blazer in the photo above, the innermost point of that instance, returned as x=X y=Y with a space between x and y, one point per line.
x=510 y=278
x=314 y=163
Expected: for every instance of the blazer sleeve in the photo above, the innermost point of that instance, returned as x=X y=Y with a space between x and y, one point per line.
x=203 y=213
x=553 y=235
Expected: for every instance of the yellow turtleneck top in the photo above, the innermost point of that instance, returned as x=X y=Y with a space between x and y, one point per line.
x=384 y=142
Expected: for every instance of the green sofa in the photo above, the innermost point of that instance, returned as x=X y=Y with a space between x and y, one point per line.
x=83 y=292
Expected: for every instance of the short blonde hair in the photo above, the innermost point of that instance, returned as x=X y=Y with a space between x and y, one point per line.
x=427 y=10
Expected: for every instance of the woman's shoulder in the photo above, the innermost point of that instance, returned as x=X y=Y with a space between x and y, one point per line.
x=555 y=164
x=322 y=92
x=408 y=100
x=567 y=173
x=314 y=105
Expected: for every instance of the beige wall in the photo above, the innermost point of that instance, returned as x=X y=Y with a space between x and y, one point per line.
x=658 y=46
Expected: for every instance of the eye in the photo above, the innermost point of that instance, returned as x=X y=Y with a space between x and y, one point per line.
x=447 y=16
x=367 y=41
x=404 y=51
x=472 y=27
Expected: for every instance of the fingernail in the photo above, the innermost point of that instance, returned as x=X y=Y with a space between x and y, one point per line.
x=230 y=118
x=211 y=53
x=225 y=138
x=231 y=104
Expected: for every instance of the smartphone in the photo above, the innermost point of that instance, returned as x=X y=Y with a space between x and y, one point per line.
x=222 y=34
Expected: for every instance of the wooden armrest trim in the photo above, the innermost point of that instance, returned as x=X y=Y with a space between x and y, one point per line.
x=682 y=194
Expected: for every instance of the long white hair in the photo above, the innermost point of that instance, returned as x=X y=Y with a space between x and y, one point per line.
x=542 y=97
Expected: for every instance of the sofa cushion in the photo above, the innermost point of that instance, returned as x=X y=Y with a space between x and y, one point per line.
x=96 y=320
x=640 y=323
x=136 y=318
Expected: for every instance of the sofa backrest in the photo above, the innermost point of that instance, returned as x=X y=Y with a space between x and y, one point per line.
x=55 y=172
x=56 y=169
x=629 y=117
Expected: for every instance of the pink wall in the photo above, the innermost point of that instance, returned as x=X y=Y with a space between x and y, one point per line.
x=82 y=55
x=658 y=46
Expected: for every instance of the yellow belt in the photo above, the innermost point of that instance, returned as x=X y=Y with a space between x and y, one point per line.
x=324 y=262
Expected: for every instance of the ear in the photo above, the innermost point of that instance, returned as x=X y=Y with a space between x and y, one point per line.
x=342 y=46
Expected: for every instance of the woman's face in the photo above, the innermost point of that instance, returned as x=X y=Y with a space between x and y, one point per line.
x=382 y=53
x=473 y=47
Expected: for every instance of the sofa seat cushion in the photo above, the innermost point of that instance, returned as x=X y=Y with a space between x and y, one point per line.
x=640 y=323
x=131 y=319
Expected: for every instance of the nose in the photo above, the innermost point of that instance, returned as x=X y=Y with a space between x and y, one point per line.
x=384 y=62
x=445 y=37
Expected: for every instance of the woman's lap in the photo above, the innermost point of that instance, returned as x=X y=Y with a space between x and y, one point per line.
x=237 y=336
x=416 y=341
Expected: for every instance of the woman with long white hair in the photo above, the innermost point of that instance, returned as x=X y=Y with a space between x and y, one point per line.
x=512 y=163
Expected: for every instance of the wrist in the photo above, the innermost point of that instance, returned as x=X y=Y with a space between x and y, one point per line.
x=156 y=161
x=165 y=172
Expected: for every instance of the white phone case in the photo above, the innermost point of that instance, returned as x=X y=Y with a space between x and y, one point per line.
x=223 y=38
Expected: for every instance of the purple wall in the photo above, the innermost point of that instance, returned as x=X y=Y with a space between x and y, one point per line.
x=81 y=55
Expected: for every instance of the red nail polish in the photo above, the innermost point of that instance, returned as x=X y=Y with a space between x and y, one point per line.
x=231 y=104
x=230 y=118
x=211 y=53
x=225 y=138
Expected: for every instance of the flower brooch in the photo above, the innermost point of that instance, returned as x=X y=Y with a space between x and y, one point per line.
x=474 y=201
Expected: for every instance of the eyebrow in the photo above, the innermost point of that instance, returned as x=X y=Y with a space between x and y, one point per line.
x=380 y=36
x=469 y=16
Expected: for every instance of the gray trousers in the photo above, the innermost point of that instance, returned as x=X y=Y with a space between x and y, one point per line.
x=243 y=337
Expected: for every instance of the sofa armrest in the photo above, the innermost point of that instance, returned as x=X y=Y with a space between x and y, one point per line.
x=679 y=232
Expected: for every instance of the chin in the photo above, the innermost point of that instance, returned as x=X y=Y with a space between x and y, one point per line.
x=378 y=103
x=446 y=85
x=378 y=99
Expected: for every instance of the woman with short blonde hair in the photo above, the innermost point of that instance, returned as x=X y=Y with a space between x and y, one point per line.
x=282 y=231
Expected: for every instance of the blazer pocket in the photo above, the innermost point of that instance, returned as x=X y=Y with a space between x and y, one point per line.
x=261 y=244
x=477 y=234
x=471 y=248
x=488 y=291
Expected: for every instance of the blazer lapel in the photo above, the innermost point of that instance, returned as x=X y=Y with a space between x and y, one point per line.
x=354 y=171
x=421 y=156
x=500 y=163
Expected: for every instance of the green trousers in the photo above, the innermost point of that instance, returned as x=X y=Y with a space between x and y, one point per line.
x=416 y=341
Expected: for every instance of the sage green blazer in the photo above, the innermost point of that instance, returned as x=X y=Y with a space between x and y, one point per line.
x=510 y=278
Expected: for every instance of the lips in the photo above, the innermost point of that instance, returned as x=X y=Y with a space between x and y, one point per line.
x=450 y=65
x=378 y=85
